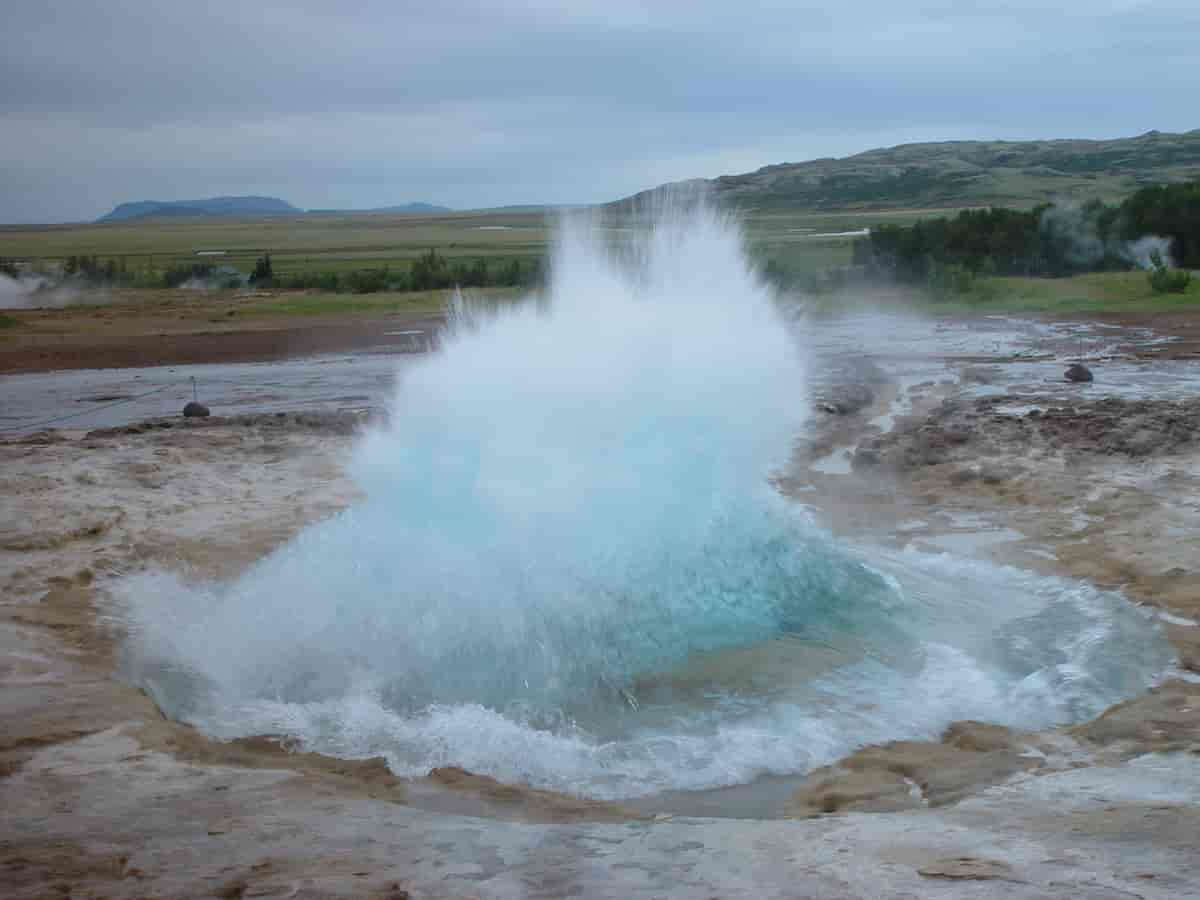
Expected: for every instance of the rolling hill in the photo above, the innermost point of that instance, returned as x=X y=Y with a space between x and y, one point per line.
x=241 y=207
x=963 y=173
x=213 y=206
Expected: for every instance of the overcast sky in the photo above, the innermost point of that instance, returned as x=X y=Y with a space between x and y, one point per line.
x=359 y=103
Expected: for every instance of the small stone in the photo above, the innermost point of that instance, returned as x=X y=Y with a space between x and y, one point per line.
x=195 y=410
x=968 y=868
x=1078 y=372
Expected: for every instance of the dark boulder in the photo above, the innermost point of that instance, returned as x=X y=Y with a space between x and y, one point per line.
x=1078 y=372
x=195 y=410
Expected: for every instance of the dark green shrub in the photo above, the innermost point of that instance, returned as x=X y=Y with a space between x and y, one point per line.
x=179 y=275
x=263 y=275
x=1165 y=280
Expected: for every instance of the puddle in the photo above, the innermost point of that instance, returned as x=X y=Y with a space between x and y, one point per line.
x=836 y=463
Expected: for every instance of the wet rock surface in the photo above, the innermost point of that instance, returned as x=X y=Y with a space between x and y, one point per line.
x=850 y=385
x=1098 y=488
x=980 y=430
x=843 y=399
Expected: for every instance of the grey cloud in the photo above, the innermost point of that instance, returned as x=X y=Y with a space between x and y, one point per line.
x=470 y=102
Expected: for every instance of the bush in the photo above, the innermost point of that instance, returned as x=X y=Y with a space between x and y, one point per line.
x=1165 y=280
x=367 y=281
x=263 y=275
x=429 y=272
x=178 y=275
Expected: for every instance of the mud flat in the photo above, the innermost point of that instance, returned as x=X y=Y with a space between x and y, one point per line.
x=102 y=796
x=202 y=329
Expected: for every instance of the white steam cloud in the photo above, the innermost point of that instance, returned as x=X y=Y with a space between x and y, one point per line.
x=1085 y=246
x=1141 y=252
x=18 y=293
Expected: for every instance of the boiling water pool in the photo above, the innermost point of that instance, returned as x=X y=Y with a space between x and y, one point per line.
x=682 y=684
x=570 y=571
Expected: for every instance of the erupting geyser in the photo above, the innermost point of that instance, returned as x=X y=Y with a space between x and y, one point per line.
x=570 y=568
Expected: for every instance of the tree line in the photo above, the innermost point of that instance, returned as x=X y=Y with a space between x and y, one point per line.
x=947 y=254
x=430 y=271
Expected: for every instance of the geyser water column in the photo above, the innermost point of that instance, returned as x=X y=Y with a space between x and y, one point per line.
x=570 y=492
x=569 y=567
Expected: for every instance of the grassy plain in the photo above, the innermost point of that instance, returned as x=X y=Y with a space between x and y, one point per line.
x=798 y=243
x=308 y=243
x=1097 y=292
x=342 y=243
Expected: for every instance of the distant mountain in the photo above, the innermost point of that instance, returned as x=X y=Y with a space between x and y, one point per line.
x=413 y=208
x=214 y=206
x=962 y=173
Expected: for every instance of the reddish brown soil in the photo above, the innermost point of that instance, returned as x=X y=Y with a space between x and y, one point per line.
x=83 y=341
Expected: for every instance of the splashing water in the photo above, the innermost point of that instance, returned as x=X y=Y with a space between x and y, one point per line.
x=570 y=568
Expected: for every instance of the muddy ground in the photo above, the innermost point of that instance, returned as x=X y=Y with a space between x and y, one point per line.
x=100 y=796
x=181 y=328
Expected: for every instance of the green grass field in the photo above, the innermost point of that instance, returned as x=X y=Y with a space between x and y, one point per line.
x=1097 y=292
x=1091 y=294
x=344 y=243
x=798 y=243
x=311 y=243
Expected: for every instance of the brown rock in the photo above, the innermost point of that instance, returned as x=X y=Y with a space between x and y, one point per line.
x=1165 y=719
x=871 y=791
x=980 y=737
x=910 y=774
x=968 y=868
x=531 y=802
x=1186 y=639
x=945 y=774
